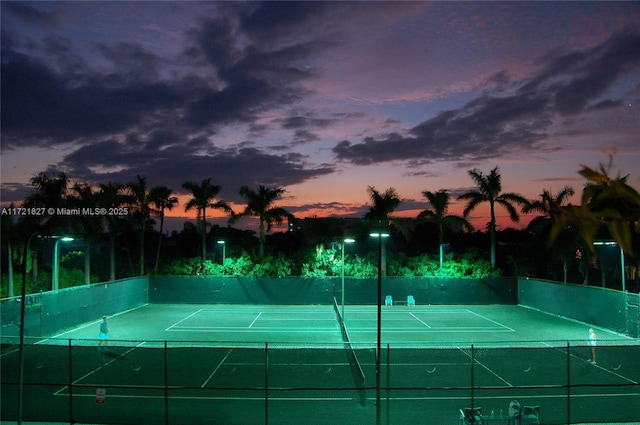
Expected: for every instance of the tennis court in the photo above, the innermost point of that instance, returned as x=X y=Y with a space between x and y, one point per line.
x=285 y=364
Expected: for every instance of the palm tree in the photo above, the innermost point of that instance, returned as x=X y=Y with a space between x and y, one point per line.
x=379 y=216
x=490 y=190
x=551 y=206
x=141 y=211
x=162 y=200
x=111 y=195
x=440 y=204
x=50 y=192
x=204 y=196
x=260 y=204
x=606 y=203
x=83 y=196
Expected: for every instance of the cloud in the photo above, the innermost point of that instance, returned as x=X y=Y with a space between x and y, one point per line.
x=28 y=14
x=492 y=125
x=230 y=167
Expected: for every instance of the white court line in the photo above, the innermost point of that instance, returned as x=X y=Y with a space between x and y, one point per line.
x=99 y=368
x=89 y=324
x=254 y=320
x=596 y=365
x=486 y=367
x=419 y=320
x=492 y=321
x=216 y=369
x=252 y=330
x=180 y=321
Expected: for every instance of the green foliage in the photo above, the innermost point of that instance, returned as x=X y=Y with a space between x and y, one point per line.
x=70 y=277
x=328 y=263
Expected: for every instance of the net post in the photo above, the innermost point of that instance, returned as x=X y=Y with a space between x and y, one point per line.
x=472 y=379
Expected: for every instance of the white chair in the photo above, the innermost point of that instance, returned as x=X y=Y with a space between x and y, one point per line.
x=411 y=300
x=388 y=300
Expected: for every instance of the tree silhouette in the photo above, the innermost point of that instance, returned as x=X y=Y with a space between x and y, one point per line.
x=440 y=204
x=162 y=200
x=204 y=196
x=490 y=190
x=141 y=212
x=90 y=226
x=112 y=195
x=607 y=203
x=550 y=206
x=260 y=204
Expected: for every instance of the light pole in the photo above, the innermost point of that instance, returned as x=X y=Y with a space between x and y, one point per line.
x=55 y=273
x=224 y=253
x=623 y=277
x=345 y=241
x=442 y=245
x=612 y=243
x=22 y=311
x=379 y=235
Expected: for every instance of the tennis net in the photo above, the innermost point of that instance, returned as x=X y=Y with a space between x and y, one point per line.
x=356 y=369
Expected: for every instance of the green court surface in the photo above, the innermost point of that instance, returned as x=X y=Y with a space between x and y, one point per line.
x=249 y=364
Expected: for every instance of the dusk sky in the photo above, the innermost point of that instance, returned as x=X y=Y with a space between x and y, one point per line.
x=320 y=98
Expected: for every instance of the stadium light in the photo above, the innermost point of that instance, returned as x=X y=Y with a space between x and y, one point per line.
x=224 y=250
x=380 y=235
x=345 y=241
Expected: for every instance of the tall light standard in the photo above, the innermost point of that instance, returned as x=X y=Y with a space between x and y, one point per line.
x=380 y=235
x=442 y=245
x=55 y=273
x=224 y=253
x=612 y=243
x=22 y=311
x=345 y=241
x=623 y=277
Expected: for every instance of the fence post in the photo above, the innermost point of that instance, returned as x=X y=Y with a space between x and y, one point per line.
x=71 y=421
x=166 y=385
x=266 y=383
x=388 y=380
x=568 y=383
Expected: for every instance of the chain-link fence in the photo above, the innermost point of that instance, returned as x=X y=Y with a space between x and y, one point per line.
x=142 y=382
